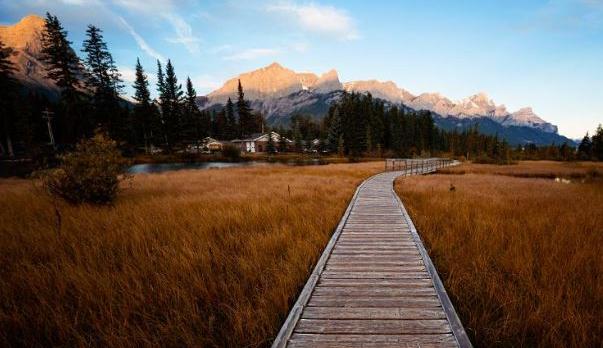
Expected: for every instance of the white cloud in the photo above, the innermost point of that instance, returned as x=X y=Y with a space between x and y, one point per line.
x=317 y=18
x=140 y=41
x=184 y=33
x=253 y=53
x=165 y=9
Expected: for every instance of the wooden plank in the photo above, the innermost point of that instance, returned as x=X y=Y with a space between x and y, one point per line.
x=372 y=313
x=370 y=268
x=387 y=302
x=373 y=326
x=371 y=341
x=372 y=291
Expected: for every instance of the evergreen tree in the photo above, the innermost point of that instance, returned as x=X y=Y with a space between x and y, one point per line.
x=171 y=102
x=230 y=128
x=64 y=68
x=145 y=114
x=62 y=64
x=8 y=91
x=104 y=80
x=585 y=149
x=191 y=118
x=246 y=123
x=334 y=130
x=597 y=143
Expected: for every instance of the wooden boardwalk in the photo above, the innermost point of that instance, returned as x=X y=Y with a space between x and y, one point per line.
x=374 y=285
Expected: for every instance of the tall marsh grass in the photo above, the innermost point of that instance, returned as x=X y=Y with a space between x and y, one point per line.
x=191 y=258
x=520 y=257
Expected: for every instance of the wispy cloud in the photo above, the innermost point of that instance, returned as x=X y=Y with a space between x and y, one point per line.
x=253 y=53
x=140 y=41
x=323 y=19
x=184 y=33
x=167 y=10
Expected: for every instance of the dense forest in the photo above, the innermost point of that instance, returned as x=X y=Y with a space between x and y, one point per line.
x=91 y=98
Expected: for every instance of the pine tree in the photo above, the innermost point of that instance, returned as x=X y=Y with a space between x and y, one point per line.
x=144 y=112
x=62 y=64
x=597 y=143
x=230 y=129
x=191 y=118
x=585 y=149
x=64 y=68
x=334 y=130
x=244 y=110
x=104 y=80
x=8 y=91
x=171 y=101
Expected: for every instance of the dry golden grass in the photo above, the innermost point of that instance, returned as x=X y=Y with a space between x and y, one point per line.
x=521 y=257
x=533 y=169
x=191 y=258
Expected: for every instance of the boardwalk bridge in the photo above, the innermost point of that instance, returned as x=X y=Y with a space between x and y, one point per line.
x=374 y=284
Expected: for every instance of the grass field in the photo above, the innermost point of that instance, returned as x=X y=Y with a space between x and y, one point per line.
x=519 y=252
x=191 y=258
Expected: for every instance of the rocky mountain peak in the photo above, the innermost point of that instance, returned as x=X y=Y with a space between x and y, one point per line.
x=24 y=38
x=275 y=81
x=327 y=82
x=387 y=90
x=23 y=34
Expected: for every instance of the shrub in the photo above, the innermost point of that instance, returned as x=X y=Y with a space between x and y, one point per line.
x=231 y=152
x=90 y=174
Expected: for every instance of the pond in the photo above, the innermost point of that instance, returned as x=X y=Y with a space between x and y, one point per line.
x=166 y=167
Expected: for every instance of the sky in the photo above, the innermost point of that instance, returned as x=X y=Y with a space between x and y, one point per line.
x=543 y=54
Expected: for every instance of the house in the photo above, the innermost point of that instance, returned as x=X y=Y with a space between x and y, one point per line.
x=259 y=142
x=210 y=144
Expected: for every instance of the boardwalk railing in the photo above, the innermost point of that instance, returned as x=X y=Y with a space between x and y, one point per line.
x=412 y=166
x=374 y=284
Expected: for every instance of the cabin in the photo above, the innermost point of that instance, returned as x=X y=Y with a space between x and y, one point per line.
x=259 y=142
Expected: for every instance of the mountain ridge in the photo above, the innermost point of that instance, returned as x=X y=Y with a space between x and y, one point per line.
x=475 y=106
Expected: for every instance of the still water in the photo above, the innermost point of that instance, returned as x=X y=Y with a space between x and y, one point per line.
x=166 y=167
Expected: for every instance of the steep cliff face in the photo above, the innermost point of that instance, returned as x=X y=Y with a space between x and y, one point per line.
x=25 y=40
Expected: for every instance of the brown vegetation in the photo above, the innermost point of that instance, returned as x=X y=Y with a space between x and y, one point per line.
x=191 y=258
x=520 y=255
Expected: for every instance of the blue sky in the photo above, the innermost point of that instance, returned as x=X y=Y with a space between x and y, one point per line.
x=544 y=54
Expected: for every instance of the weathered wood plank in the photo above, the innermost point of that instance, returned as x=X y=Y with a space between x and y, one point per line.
x=373 y=326
x=396 y=283
x=376 y=302
x=373 y=291
x=372 y=313
x=372 y=341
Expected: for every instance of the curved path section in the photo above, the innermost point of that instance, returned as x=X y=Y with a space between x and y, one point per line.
x=374 y=285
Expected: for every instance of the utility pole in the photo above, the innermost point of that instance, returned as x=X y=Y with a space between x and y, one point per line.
x=48 y=116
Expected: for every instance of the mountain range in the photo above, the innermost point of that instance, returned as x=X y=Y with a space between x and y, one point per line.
x=280 y=93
